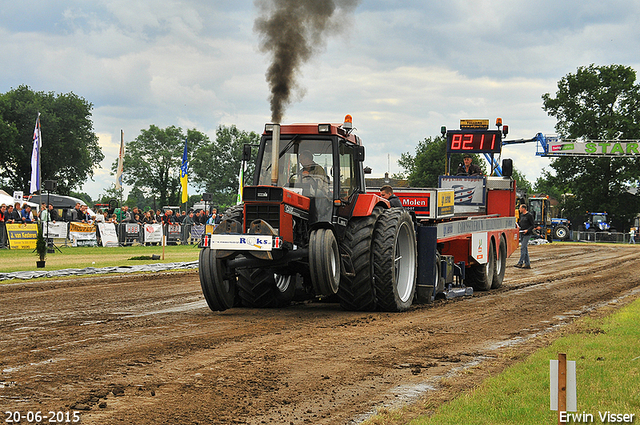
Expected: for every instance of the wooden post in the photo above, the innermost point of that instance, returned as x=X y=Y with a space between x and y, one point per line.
x=562 y=385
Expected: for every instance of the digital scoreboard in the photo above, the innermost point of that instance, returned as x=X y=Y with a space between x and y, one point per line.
x=474 y=141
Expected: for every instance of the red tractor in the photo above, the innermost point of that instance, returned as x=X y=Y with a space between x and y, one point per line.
x=307 y=227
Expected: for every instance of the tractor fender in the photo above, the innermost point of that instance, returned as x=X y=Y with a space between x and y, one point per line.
x=366 y=202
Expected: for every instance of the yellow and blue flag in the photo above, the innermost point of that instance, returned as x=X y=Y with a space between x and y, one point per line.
x=184 y=173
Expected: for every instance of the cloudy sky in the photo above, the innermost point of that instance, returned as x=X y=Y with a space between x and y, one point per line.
x=402 y=68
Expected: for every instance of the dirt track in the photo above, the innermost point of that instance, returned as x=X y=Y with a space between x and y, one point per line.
x=145 y=349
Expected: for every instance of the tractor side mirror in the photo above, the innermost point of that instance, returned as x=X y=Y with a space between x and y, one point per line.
x=246 y=153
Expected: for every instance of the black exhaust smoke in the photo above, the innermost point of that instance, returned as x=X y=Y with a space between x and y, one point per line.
x=292 y=31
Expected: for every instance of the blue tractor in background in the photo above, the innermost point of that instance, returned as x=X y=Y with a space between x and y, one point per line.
x=597 y=222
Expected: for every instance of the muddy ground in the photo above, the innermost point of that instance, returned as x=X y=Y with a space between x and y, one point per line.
x=145 y=349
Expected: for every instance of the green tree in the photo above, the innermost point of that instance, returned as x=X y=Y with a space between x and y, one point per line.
x=597 y=102
x=429 y=162
x=545 y=186
x=137 y=198
x=216 y=165
x=152 y=161
x=83 y=196
x=110 y=193
x=70 y=149
x=521 y=181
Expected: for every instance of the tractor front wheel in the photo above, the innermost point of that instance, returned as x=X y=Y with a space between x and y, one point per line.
x=218 y=288
x=324 y=262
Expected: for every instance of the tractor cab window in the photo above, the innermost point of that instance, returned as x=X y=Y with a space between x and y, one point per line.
x=305 y=166
x=348 y=182
x=536 y=210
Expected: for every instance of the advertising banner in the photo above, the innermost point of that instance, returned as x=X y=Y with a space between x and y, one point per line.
x=18 y=196
x=108 y=234
x=599 y=148
x=129 y=233
x=468 y=190
x=22 y=236
x=55 y=230
x=82 y=234
x=173 y=233
x=197 y=231
x=445 y=202
x=153 y=233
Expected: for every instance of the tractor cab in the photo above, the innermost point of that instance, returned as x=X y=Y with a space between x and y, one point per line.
x=321 y=162
x=597 y=222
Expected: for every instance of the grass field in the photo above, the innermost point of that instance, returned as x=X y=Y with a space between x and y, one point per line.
x=12 y=260
x=607 y=356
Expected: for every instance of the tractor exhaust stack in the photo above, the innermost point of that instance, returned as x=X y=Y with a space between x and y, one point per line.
x=275 y=154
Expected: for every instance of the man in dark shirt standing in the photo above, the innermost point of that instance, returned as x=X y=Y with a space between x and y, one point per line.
x=526 y=226
x=53 y=214
x=386 y=192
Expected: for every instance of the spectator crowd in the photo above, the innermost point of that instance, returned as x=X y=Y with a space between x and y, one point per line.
x=23 y=214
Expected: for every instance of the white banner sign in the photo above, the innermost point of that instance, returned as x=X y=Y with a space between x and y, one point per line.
x=18 y=196
x=152 y=233
x=55 y=230
x=244 y=242
x=108 y=235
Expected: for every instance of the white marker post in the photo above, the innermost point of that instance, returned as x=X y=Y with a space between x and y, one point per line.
x=562 y=386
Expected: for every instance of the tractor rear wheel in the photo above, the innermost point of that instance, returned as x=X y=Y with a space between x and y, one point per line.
x=394 y=260
x=356 y=291
x=480 y=276
x=561 y=232
x=324 y=262
x=219 y=290
x=262 y=288
x=235 y=213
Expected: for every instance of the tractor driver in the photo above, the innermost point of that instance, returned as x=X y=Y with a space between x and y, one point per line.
x=309 y=166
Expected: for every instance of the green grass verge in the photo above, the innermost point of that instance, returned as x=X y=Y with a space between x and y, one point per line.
x=12 y=260
x=607 y=355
